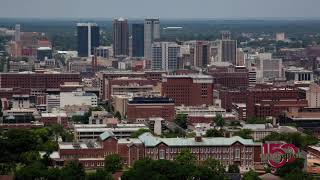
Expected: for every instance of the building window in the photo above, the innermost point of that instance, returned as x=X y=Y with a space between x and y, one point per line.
x=161 y=154
x=237 y=153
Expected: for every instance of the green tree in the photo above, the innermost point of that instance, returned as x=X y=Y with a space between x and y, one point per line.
x=214 y=133
x=219 y=121
x=295 y=166
x=118 y=115
x=215 y=167
x=251 y=175
x=233 y=168
x=73 y=170
x=244 y=133
x=113 y=163
x=298 y=175
x=185 y=157
x=99 y=175
x=181 y=120
x=30 y=157
x=139 y=132
x=36 y=170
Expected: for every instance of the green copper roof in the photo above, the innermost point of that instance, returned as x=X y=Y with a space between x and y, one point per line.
x=106 y=135
x=149 y=140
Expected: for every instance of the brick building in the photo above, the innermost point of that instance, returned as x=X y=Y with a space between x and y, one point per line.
x=49 y=119
x=142 y=108
x=189 y=90
x=276 y=108
x=230 y=77
x=234 y=150
x=125 y=84
x=105 y=77
x=31 y=80
x=228 y=97
x=273 y=95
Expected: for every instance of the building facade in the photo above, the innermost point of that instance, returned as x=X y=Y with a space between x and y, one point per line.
x=165 y=56
x=120 y=34
x=234 y=150
x=143 y=108
x=88 y=38
x=151 y=33
x=188 y=90
x=137 y=40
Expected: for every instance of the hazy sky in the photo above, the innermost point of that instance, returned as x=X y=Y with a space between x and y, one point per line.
x=159 y=8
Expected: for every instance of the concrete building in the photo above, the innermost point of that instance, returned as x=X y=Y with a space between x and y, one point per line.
x=20 y=101
x=103 y=51
x=120 y=104
x=79 y=98
x=280 y=36
x=88 y=35
x=311 y=94
x=260 y=131
x=189 y=90
x=227 y=49
x=157 y=125
x=298 y=75
x=44 y=53
x=143 y=108
x=120 y=35
x=303 y=118
x=52 y=102
x=165 y=56
x=91 y=132
x=151 y=33
x=268 y=68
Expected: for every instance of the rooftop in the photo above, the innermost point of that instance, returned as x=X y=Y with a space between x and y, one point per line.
x=150 y=100
x=149 y=140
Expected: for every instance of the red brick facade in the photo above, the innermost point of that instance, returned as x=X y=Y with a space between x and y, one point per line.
x=131 y=150
x=143 y=110
x=36 y=80
x=188 y=90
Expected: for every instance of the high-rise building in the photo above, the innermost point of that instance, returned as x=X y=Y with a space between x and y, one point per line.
x=151 y=33
x=17 y=33
x=88 y=38
x=227 y=48
x=137 y=40
x=120 y=37
x=165 y=56
x=202 y=53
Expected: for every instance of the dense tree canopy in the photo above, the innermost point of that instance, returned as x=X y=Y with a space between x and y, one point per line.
x=112 y=163
x=181 y=120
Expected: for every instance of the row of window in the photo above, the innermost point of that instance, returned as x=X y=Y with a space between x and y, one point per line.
x=201 y=150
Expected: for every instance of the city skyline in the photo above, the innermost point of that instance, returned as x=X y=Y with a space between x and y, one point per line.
x=189 y=9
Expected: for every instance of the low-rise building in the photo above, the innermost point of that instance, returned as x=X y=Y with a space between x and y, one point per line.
x=143 y=108
x=90 y=132
x=79 y=98
x=260 y=131
x=234 y=150
x=54 y=118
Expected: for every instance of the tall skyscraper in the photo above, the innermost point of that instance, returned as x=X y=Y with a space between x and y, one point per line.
x=17 y=33
x=165 y=56
x=227 y=48
x=202 y=53
x=137 y=40
x=151 y=33
x=88 y=38
x=120 y=37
